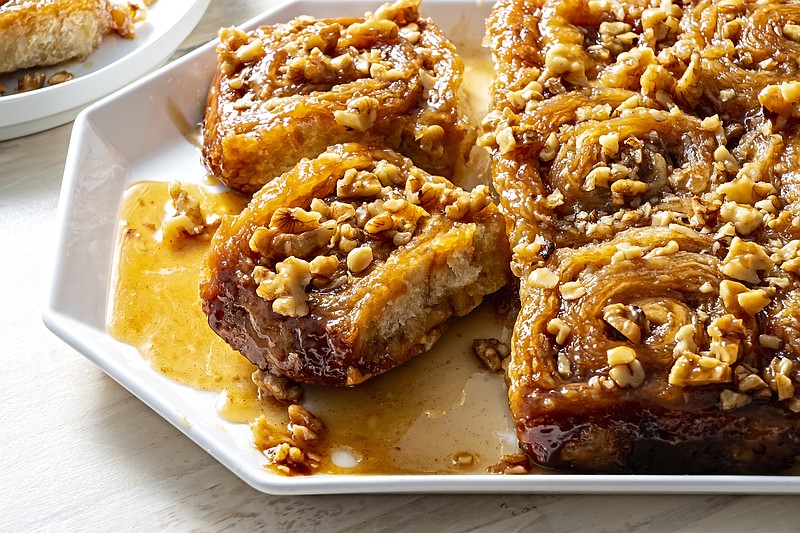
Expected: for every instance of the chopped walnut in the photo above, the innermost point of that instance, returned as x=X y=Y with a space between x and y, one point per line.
x=783 y=99
x=60 y=77
x=626 y=252
x=770 y=342
x=400 y=11
x=468 y=203
x=597 y=177
x=620 y=355
x=323 y=268
x=630 y=374
x=492 y=352
x=294 y=220
x=745 y=260
x=610 y=144
x=231 y=39
x=690 y=369
x=360 y=114
x=188 y=219
x=670 y=248
x=751 y=383
x=517 y=463
x=562 y=61
x=531 y=92
x=293 y=231
x=778 y=376
x=559 y=328
x=251 y=51
x=684 y=340
x=362 y=33
x=31 y=82
x=359 y=259
x=792 y=31
x=572 y=290
x=746 y=219
x=543 y=278
x=746 y=191
x=624 y=189
x=276 y=387
x=550 y=149
x=629 y=320
x=730 y=400
x=358 y=184
x=726 y=333
x=735 y=294
x=304 y=426
x=291 y=451
x=286 y=286
x=430 y=139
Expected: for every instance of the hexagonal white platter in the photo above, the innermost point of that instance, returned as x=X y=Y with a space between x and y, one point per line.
x=132 y=135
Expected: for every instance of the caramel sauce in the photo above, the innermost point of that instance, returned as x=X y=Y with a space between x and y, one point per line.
x=419 y=418
x=155 y=305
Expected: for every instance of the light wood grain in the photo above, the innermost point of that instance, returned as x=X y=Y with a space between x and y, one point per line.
x=80 y=453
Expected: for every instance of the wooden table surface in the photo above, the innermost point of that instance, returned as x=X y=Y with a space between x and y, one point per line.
x=80 y=452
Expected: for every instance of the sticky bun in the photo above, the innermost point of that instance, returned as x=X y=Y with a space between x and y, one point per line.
x=349 y=264
x=40 y=33
x=289 y=91
x=44 y=33
x=646 y=157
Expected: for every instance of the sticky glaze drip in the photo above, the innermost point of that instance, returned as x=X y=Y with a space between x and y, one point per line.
x=415 y=419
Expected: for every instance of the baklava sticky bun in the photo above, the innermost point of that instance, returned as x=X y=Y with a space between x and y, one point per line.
x=349 y=264
x=289 y=91
x=647 y=159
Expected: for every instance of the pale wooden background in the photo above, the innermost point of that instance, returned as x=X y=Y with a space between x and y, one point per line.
x=78 y=452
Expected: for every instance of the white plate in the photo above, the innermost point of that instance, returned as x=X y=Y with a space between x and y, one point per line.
x=105 y=158
x=116 y=63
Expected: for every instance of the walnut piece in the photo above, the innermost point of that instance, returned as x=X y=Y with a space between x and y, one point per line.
x=273 y=386
x=188 y=219
x=492 y=352
x=517 y=463
x=291 y=451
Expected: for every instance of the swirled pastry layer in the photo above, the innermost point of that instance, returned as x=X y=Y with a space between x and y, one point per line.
x=350 y=264
x=646 y=155
x=289 y=91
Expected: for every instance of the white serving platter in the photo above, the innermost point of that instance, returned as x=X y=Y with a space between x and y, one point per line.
x=116 y=63
x=105 y=158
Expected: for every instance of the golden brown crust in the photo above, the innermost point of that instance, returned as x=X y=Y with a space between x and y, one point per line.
x=646 y=165
x=47 y=32
x=349 y=264
x=288 y=91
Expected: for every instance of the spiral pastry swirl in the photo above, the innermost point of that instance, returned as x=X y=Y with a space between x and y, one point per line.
x=647 y=165
x=289 y=91
x=631 y=344
x=350 y=264
x=733 y=51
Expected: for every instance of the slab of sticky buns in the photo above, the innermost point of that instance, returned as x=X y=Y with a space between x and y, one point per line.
x=647 y=155
x=355 y=257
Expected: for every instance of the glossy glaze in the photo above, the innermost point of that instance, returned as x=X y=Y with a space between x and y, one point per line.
x=413 y=419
